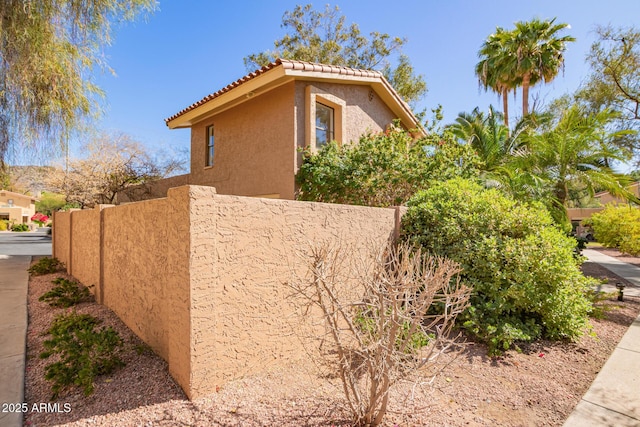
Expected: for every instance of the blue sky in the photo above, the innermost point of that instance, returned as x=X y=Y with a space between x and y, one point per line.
x=188 y=49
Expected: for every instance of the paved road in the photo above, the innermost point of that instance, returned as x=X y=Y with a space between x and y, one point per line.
x=16 y=250
x=26 y=243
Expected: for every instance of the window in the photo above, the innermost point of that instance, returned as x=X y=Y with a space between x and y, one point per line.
x=210 y=141
x=324 y=118
x=324 y=124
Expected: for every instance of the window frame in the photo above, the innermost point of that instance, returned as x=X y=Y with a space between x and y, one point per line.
x=209 y=147
x=330 y=130
x=313 y=96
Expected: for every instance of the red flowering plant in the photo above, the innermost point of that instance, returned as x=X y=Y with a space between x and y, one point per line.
x=40 y=219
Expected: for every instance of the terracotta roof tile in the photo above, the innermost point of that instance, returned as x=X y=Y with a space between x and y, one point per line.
x=286 y=64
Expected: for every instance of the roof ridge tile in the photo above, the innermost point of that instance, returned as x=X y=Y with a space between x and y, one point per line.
x=288 y=64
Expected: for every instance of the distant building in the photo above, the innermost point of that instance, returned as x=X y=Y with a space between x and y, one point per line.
x=16 y=208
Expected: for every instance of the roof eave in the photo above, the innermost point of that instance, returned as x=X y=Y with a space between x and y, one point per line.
x=262 y=83
x=280 y=75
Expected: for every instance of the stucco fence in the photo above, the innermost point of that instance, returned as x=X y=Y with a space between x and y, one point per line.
x=202 y=278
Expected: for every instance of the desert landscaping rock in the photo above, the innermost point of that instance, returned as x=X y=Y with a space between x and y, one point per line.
x=539 y=385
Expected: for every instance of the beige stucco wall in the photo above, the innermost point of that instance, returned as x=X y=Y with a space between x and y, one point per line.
x=258 y=244
x=61 y=237
x=254 y=147
x=202 y=278
x=578 y=214
x=606 y=197
x=364 y=112
x=134 y=268
x=19 y=200
x=85 y=257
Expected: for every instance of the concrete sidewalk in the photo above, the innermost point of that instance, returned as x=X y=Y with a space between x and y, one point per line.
x=13 y=333
x=614 y=397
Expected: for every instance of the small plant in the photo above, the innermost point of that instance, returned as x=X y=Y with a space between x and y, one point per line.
x=366 y=322
x=142 y=349
x=4 y=225
x=46 y=266
x=66 y=293
x=84 y=352
x=19 y=227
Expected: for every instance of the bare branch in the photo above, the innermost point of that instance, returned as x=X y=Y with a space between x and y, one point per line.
x=399 y=322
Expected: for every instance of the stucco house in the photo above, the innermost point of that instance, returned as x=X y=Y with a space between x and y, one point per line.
x=17 y=208
x=246 y=138
x=576 y=215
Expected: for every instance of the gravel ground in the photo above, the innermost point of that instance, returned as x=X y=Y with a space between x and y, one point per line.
x=536 y=386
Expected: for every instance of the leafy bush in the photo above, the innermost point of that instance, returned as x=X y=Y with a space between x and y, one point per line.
x=46 y=266
x=525 y=278
x=66 y=293
x=19 y=227
x=50 y=202
x=617 y=227
x=383 y=169
x=84 y=352
x=4 y=225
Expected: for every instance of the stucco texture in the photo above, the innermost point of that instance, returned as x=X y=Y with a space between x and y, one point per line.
x=258 y=247
x=61 y=237
x=85 y=257
x=364 y=111
x=203 y=278
x=254 y=147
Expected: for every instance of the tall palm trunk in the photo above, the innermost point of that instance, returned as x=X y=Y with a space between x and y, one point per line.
x=505 y=107
x=526 y=80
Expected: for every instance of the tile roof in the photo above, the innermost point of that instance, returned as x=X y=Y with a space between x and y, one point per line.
x=287 y=64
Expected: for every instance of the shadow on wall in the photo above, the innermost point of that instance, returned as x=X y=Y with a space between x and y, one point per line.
x=201 y=277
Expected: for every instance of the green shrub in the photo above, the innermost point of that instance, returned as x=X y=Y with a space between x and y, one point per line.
x=4 y=225
x=526 y=282
x=19 y=227
x=382 y=169
x=617 y=227
x=46 y=266
x=66 y=293
x=84 y=352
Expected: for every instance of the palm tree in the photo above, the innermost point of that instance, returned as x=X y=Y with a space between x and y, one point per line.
x=490 y=139
x=570 y=154
x=495 y=69
x=538 y=53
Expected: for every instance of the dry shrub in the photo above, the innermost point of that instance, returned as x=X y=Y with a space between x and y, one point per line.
x=399 y=324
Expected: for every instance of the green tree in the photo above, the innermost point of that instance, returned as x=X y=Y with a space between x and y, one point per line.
x=324 y=37
x=538 y=52
x=615 y=79
x=495 y=69
x=570 y=152
x=48 y=49
x=50 y=202
x=489 y=138
x=524 y=56
x=382 y=169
